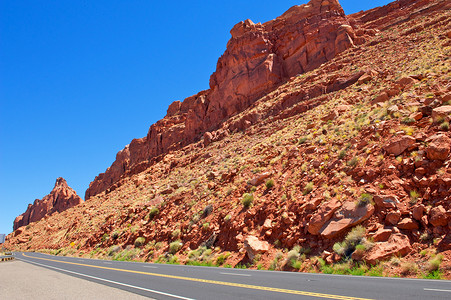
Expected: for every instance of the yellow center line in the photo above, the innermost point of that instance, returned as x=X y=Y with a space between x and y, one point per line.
x=246 y=286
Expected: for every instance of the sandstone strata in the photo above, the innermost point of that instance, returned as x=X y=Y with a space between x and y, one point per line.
x=258 y=58
x=60 y=198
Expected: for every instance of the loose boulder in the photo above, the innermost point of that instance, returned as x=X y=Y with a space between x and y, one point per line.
x=397 y=244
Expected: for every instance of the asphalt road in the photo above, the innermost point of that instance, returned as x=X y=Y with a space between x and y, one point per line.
x=162 y=281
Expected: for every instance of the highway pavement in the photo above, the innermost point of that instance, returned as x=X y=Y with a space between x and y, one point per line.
x=161 y=281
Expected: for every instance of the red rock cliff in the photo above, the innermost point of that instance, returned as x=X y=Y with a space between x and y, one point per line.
x=60 y=198
x=258 y=58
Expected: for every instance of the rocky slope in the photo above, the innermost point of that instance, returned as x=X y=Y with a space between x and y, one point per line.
x=60 y=198
x=283 y=179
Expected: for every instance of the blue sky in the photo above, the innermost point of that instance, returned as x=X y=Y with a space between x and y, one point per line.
x=80 y=79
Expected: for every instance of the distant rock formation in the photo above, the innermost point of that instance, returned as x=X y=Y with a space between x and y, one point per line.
x=60 y=198
x=258 y=58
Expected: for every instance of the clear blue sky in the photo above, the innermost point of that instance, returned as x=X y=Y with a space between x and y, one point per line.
x=80 y=79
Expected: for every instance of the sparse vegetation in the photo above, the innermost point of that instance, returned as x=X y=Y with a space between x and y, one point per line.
x=248 y=200
x=140 y=241
x=353 y=239
x=365 y=199
x=175 y=246
x=269 y=184
x=308 y=188
x=153 y=212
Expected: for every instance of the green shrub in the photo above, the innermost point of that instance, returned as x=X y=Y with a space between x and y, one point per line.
x=409 y=268
x=434 y=263
x=174 y=247
x=205 y=226
x=308 y=188
x=365 y=199
x=176 y=233
x=115 y=235
x=353 y=162
x=342 y=154
x=351 y=241
x=153 y=212
x=302 y=140
x=269 y=184
x=413 y=197
x=222 y=258
x=444 y=126
x=248 y=200
x=140 y=241
x=408 y=121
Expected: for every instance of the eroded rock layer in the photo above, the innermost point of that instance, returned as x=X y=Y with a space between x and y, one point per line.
x=258 y=58
x=60 y=198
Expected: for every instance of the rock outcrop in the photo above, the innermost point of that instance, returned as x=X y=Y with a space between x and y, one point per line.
x=258 y=58
x=60 y=198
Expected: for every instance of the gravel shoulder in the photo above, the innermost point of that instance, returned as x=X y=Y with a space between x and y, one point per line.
x=20 y=280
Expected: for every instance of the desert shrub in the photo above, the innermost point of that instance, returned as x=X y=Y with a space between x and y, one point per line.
x=248 y=200
x=413 y=197
x=434 y=263
x=342 y=154
x=205 y=226
x=308 y=188
x=353 y=162
x=153 y=212
x=293 y=254
x=364 y=199
x=408 y=121
x=444 y=126
x=426 y=237
x=175 y=246
x=227 y=218
x=275 y=263
x=351 y=241
x=105 y=237
x=140 y=241
x=115 y=235
x=222 y=258
x=113 y=250
x=302 y=140
x=176 y=233
x=409 y=268
x=269 y=184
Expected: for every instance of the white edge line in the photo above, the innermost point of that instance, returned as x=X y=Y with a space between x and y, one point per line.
x=437 y=290
x=237 y=274
x=151 y=267
x=110 y=281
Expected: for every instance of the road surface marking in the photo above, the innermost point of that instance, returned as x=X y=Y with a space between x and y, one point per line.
x=247 y=275
x=111 y=281
x=246 y=286
x=437 y=290
x=107 y=263
x=151 y=267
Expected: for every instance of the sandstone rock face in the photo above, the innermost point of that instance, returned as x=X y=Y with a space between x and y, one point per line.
x=438 y=216
x=439 y=148
x=258 y=58
x=397 y=244
x=254 y=246
x=322 y=216
x=60 y=198
x=441 y=112
x=350 y=214
x=399 y=144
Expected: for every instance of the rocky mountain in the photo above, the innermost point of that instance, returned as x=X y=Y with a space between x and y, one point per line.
x=60 y=198
x=258 y=58
x=323 y=144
